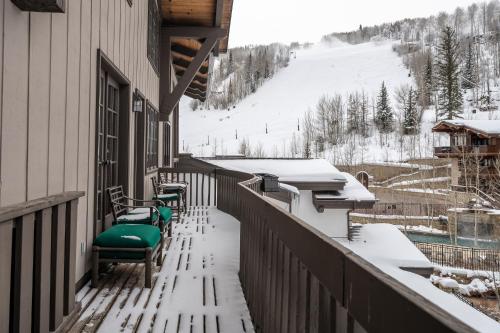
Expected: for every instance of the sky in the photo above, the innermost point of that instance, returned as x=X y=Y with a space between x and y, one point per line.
x=267 y=21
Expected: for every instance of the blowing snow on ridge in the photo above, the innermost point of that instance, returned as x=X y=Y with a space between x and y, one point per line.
x=282 y=101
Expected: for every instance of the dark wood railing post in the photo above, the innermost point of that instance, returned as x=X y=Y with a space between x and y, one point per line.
x=6 y=229
x=22 y=284
x=57 y=266
x=38 y=242
x=69 y=256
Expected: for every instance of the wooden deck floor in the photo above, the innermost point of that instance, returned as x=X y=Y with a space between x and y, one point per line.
x=196 y=290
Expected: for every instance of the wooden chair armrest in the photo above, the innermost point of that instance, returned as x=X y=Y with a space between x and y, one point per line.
x=158 y=202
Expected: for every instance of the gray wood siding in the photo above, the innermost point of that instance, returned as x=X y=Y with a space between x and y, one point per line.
x=48 y=67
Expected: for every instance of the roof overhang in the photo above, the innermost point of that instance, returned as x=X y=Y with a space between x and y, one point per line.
x=333 y=200
x=447 y=127
x=326 y=185
x=190 y=17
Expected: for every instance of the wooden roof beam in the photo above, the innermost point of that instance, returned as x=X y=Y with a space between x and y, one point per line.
x=201 y=87
x=219 y=10
x=200 y=78
x=185 y=64
x=201 y=92
x=196 y=32
x=194 y=95
x=169 y=99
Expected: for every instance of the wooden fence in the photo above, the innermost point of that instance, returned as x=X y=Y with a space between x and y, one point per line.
x=461 y=257
x=406 y=209
x=295 y=279
x=37 y=260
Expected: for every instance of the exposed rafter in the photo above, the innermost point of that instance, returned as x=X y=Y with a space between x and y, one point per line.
x=201 y=78
x=185 y=64
x=196 y=32
x=200 y=87
x=170 y=98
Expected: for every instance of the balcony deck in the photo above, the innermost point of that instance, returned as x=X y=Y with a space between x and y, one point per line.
x=197 y=289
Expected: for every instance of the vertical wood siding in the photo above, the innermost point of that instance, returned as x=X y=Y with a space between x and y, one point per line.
x=48 y=98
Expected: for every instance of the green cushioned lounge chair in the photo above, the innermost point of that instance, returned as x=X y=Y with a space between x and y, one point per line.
x=124 y=212
x=173 y=186
x=128 y=243
x=168 y=197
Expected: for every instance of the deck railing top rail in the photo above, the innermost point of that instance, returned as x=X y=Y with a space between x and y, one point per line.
x=24 y=208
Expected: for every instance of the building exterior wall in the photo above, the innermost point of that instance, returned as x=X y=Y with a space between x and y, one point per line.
x=48 y=98
x=332 y=222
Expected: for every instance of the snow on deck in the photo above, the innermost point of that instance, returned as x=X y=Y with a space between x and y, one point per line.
x=197 y=288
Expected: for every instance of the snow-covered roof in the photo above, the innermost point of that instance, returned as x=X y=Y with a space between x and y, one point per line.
x=293 y=170
x=388 y=249
x=491 y=127
x=372 y=244
x=354 y=190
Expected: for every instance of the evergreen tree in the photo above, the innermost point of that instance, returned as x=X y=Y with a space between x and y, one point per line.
x=384 y=116
x=222 y=69
x=230 y=63
x=428 y=81
x=469 y=72
x=306 y=153
x=447 y=76
x=363 y=115
x=249 y=77
x=353 y=105
x=267 y=73
x=410 y=121
x=230 y=92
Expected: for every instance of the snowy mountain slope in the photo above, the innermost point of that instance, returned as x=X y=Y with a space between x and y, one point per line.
x=284 y=99
x=281 y=103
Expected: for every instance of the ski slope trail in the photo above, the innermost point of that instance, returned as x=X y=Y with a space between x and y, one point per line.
x=282 y=101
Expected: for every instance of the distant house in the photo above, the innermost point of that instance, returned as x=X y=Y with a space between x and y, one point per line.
x=475 y=151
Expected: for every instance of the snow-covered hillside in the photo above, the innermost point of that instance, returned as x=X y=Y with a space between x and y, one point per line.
x=281 y=103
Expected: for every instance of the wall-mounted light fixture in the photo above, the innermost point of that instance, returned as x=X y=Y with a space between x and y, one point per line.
x=138 y=105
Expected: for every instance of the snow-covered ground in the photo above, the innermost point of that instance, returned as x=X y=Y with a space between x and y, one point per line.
x=280 y=104
x=284 y=99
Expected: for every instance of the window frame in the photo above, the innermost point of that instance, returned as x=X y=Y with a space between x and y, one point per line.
x=153 y=38
x=167 y=151
x=152 y=136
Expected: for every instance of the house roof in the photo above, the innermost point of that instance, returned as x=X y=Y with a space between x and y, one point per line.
x=196 y=13
x=484 y=127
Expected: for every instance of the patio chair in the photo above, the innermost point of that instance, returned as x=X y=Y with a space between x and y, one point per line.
x=128 y=243
x=171 y=186
x=170 y=195
x=123 y=212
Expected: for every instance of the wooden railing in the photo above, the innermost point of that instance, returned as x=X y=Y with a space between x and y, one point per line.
x=296 y=279
x=406 y=209
x=469 y=149
x=37 y=263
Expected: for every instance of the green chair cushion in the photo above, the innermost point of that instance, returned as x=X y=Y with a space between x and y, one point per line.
x=137 y=218
x=165 y=214
x=128 y=236
x=166 y=197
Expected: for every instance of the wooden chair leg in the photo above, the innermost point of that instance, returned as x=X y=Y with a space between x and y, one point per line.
x=184 y=200
x=169 y=229
x=95 y=267
x=159 y=257
x=149 y=269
